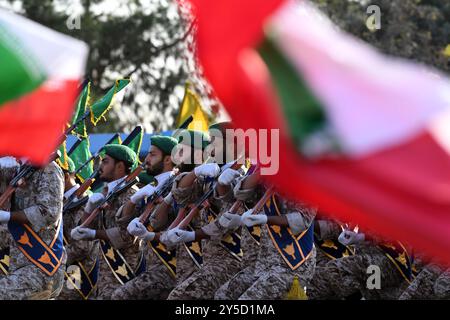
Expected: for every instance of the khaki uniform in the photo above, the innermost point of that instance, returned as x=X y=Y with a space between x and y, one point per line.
x=83 y=251
x=115 y=225
x=41 y=201
x=218 y=264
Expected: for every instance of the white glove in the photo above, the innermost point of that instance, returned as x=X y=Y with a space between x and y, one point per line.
x=8 y=162
x=228 y=176
x=164 y=239
x=93 y=202
x=348 y=237
x=81 y=233
x=250 y=219
x=230 y=221
x=146 y=191
x=177 y=235
x=211 y=170
x=136 y=228
x=4 y=216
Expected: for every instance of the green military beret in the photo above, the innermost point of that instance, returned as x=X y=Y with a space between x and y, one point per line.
x=121 y=153
x=164 y=143
x=71 y=165
x=145 y=178
x=193 y=138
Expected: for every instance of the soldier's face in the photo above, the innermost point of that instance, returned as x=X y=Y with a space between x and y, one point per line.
x=154 y=161
x=107 y=169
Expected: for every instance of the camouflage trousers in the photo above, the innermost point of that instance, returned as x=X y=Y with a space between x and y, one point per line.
x=422 y=287
x=30 y=283
x=347 y=276
x=153 y=284
x=237 y=285
x=273 y=282
x=218 y=267
x=442 y=285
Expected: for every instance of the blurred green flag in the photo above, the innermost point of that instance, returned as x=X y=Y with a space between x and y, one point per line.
x=80 y=110
x=101 y=107
x=80 y=155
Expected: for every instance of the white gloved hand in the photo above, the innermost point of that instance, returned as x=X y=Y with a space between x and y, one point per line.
x=211 y=170
x=230 y=221
x=137 y=229
x=250 y=219
x=146 y=191
x=228 y=176
x=176 y=235
x=8 y=162
x=348 y=237
x=164 y=239
x=4 y=216
x=82 y=233
x=93 y=202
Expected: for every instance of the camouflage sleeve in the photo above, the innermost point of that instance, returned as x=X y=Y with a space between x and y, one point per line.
x=299 y=217
x=329 y=229
x=119 y=235
x=6 y=174
x=163 y=220
x=243 y=194
x=48 y=194
x=186 y=195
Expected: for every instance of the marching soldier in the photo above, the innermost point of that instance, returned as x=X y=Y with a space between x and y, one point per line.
x=221 y=247
x=37 y=254
x=82 y=256
x=286 y=246
x=347 y=276
x=122 y=260
x=158 y=280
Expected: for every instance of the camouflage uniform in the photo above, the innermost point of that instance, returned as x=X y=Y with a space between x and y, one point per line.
x=218 y=264
x=83 y=251
x=347 y=276
x=157 y=281
x=41 y=201
x=116 y=228
x=422 y=287
x=273 y=276
x=442 y=285
x=241 y=281
x=329 y=229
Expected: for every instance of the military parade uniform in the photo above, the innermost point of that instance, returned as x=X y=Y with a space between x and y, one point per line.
x=222 y=253
x=37 y=254
x=82 y=266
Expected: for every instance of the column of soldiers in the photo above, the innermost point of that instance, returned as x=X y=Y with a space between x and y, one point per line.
x=206 y=227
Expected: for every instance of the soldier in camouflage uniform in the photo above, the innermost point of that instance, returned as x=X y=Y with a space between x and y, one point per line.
x=38 y=204
x=111 y=224
x=82 y=252
x=156 y=282
x=5 y=238
x=271 y=277
x=422 y=287
x=241 y=281
x=219 y=264
x=347 y=276
x=442 y=284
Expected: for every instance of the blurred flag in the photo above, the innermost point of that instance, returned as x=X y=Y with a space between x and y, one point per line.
x=285 y=66
x=62 y=160
x=102 y=106
x=80 y=110
x=39 y=73
x=80 y=154
x=191 y=106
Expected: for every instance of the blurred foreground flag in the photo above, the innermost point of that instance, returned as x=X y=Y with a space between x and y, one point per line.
x=353 y=124
x=39 y=73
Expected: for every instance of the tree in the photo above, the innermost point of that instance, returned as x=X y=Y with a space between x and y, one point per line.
x=412 y=29
x=149 y=40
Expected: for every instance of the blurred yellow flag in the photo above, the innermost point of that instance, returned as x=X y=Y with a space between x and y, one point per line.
x=191 y=106
x=447 y=51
